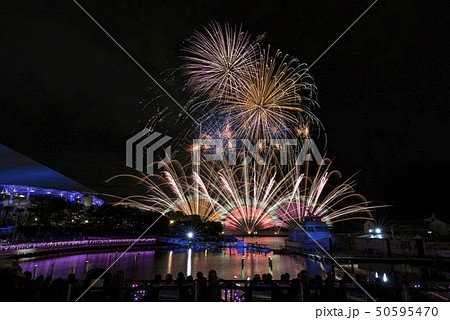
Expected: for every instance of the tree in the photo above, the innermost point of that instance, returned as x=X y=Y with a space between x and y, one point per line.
x=54 y=210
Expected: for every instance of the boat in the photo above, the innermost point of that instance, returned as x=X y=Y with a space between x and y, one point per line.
x=301 y=238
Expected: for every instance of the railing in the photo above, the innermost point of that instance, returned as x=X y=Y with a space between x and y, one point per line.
x=242 y=290
x=116 y=289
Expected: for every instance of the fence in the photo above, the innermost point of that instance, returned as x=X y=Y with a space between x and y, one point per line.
x=242 y=290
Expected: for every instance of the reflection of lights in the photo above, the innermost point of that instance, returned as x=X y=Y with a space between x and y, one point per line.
x=376 y=274
x=385 y=279
x=189 y=263
x=169 y=264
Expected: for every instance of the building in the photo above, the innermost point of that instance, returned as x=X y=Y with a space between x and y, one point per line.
x=22 y=179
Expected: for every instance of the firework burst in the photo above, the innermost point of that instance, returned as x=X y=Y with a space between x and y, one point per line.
x=250 y=95
x=217 y=58
x=271 y=99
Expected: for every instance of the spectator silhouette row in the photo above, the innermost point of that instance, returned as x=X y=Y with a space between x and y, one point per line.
x=16 y=286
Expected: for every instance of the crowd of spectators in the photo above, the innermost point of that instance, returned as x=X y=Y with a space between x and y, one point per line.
x=17 y=286
x=265 y=288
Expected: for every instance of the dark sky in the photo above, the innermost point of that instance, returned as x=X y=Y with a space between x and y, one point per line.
x=70 y=98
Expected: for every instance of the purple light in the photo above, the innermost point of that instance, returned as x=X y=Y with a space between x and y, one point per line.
x=78 y=243
x=67 y=194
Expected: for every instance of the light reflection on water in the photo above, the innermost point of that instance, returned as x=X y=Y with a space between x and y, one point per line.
x=146 y=264
x=272 y=242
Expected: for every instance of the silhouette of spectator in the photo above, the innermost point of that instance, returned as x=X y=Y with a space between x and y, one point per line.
x=153 y=289
x=295 y=290
x=397 y=286
x=73 y=288
x=306 y=286
x=28 y=275
x=169 y=279
x=183 y=290
x=180 y=278
x=212 y=286
x=256 y=280
x=202 y=286
x=9 y=285
x=118 y=286
x=372 y=290
x=157 y=279
x=72 y=280
x=284 y=287
x=189 y=288
x=317 y=288
x=379 y=290
x=101 y=289
x=28 y=287
x=329 y=291
x=59 y=292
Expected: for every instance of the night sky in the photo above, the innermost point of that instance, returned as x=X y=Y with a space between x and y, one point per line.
x=70 y=98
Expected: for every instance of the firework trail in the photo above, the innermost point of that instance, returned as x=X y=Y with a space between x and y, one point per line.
x=243 y=195
x=249 y=198
x=173 y=191
x=320 y=198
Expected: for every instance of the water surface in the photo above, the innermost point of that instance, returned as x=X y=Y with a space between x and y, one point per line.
x=145 y=265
